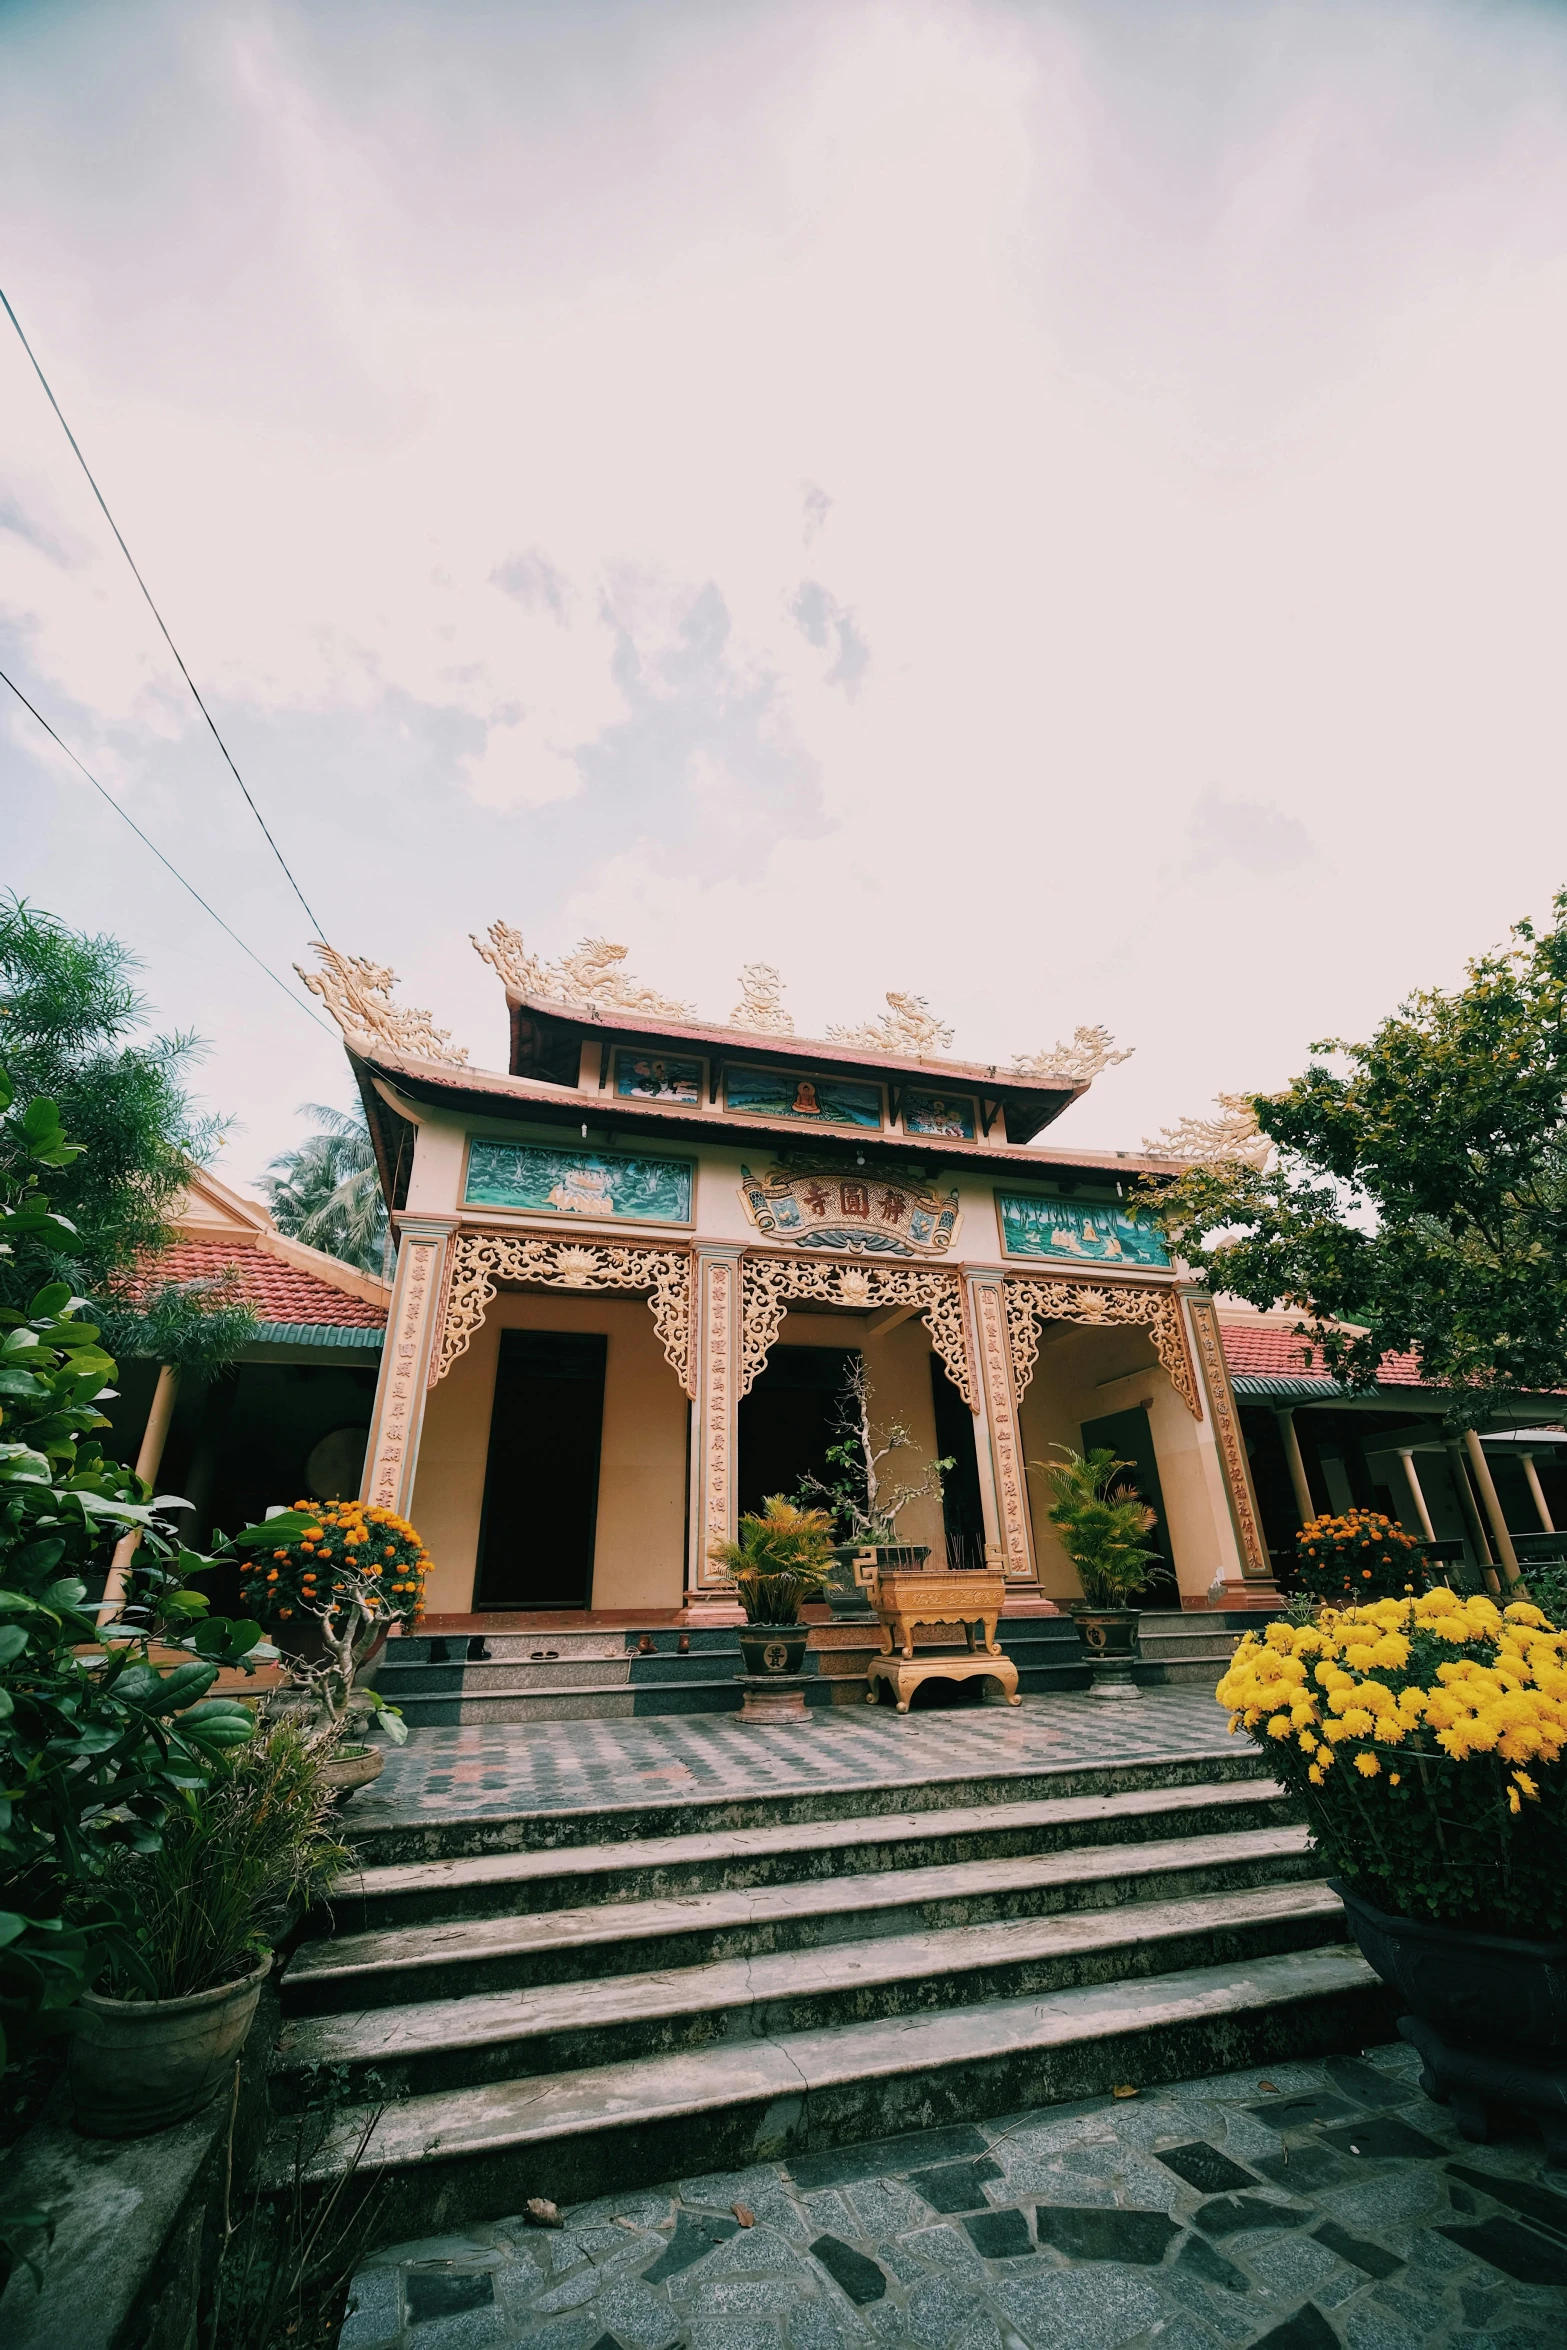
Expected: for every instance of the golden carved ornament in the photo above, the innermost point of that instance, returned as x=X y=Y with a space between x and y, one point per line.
x=1255 y=1562
x=358 y=994
x=768 y=1285
x=1233 y=1135
x=1035 y=1298
x=481 y=1259
x=591 y=974
x=908 y=1026
x=760 y=1010
x=1077 y=1063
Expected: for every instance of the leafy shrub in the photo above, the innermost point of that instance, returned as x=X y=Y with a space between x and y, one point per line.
x=1101 y=1523
x=1358 y=1556
x=317 y=1544
x=779 y=1559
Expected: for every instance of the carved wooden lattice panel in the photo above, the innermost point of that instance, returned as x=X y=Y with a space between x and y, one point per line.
x=1034 y=1298
x=769 y=1283
x=481 y=1259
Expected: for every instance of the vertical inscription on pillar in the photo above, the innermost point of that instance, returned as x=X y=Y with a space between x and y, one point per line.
x=403 y=1385
x=1232 y=1451
x=718 y=1412
x=995 y=1353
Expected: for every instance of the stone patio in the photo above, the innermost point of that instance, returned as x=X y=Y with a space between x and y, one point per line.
x=1291 y=2208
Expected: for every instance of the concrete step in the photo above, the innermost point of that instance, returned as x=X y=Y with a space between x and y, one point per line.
x=458 y=2043
x=383 y=1834
x=403 y=1681
x=474 y=1956
x=500 y=1884
x=457 y=2156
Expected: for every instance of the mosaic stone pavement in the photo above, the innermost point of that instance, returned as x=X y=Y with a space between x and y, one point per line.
x=1297 y=2208
x=548 y=1765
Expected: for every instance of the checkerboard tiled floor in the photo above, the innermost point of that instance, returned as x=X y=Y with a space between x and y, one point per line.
x=548 y=1765
x=1299 y=2208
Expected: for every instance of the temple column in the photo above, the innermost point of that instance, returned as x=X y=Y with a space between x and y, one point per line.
x=1542 y=1507
x=717 y=1304
x=1005 y=1503
x=1493 y=1504
x=412 y=1335
x=1465 y=1492
x=1241 y=1519
x=1416 y=1491
x=148 y=1462
x=1304 y=1507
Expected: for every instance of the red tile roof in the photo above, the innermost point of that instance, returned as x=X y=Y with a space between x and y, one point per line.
x=1268 y=1350
x=278 y=1292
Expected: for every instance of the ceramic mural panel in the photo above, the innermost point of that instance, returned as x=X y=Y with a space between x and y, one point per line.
x=838 y=1207
x=949 y=1114
x=1088 y=1232
x=816 y=1101
x=657 y=1077
x=578 y=1182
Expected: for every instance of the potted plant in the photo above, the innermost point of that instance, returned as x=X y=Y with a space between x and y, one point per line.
x=247 y=1847
x=1424 y=1737
x=1101 y=1523
x=343 y=1573
x=863 y=1502
x=777 y=1564
x=1358 y=1555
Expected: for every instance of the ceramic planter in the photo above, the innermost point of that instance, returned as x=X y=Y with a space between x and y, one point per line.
x=351 y=1768
x=139 y=2065
x=771 y=1649
x=1110 y=1636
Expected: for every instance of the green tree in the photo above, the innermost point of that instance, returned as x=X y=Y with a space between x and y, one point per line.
x=73 y=1027
x=327 y=1191
x=1418 y=1192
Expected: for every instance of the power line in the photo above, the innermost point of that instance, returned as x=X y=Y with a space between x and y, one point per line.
x=315 y=923
x=158 y=853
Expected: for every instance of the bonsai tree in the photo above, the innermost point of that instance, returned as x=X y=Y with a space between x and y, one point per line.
x=1101 y=1524
x=863 y=1500
x=351 y=1569
x=778 y=1561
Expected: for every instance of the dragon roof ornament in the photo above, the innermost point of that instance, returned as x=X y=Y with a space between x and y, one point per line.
x=589 y=975
x=907 y=1026
x=1077 y=1063
x=358 y=994
x=1210 y=1142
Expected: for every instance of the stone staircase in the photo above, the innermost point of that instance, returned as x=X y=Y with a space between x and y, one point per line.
x=440 y=1680
x=559 y=2003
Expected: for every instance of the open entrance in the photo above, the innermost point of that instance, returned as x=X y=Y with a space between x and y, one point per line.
x=786 y=1422
x=541 y=1479
x=962 y=1512
x=1129 y=1437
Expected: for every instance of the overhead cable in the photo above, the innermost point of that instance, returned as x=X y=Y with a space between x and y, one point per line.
x=158 y=853
x=315 y=922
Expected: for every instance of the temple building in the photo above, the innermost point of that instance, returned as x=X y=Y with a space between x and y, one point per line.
x=634 y=1263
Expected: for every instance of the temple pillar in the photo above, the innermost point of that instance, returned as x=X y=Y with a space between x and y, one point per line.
x=412 y=1334
x=1305 y=1508
x=1004 y=1491
x=1493 y=1504
x=1236 y=1516
x=1416 y=1491
x=148 y=1462
x=1537 y=1492
x=717 y=1306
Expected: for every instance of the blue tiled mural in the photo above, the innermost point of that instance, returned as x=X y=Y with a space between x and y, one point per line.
x=819 y=1101
x=939 y=1113
x=578 y=1183
x=654 y=1077
x=1092 y=1233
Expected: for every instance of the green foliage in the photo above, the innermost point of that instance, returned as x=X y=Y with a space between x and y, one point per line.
x=779 y=1560
x=860 y=1498
x=1422 y=1194
x=236 y=1856
x=327 y=1191
x=1101 y=1524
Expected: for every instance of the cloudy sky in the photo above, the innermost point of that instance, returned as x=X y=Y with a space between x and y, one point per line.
x=1054 y=504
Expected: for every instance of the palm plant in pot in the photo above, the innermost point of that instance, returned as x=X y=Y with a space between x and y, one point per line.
x=245 y=1851
x=777 y=1565
x=1424 y=1737
x=864 y=1500
x=1102 y=1522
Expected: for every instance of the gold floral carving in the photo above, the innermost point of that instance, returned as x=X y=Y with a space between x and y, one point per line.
x=481 y=1259
x=908 y=1026
x=1077 y=1063
x=760 y=1010
x=591 y=974
x=395 y=1446
x=359 y=997
x=1232 y=1450
x=1033 y=1298
x=1002 y=1396
x=769 y=1284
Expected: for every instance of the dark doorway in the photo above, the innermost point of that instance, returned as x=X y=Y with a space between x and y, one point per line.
x=962 y=1512
x=1131 y=1439
x=541 y=1481
x=786 y=1422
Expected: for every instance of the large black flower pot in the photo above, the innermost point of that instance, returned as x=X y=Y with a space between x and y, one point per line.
x=1488 y=2014
x=769 y=1649
x=1110 y=1636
